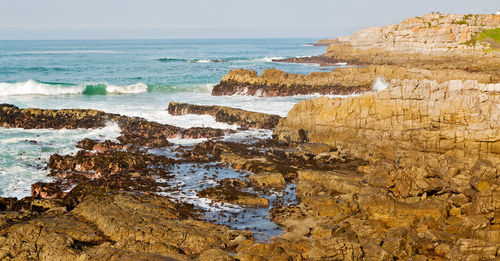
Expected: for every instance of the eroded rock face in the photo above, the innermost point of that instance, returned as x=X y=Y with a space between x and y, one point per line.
x=246 y=119
x=431 y=186
x=341 y=81
x=409 y=119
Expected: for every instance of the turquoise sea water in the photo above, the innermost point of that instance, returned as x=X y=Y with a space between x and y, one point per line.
x=130 y=77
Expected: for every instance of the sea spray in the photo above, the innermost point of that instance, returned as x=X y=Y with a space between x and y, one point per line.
x=380 y=84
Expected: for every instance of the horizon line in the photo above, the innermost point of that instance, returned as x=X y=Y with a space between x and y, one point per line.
x=167 y=38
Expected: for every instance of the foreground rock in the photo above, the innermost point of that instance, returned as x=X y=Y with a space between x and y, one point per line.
x=103 y=225
x=246 y=119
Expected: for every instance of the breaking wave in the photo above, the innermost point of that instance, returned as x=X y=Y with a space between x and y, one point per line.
x=32 y=87
x=36 y=88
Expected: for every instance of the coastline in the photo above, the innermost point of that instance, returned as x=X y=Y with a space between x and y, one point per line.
x=408 y=170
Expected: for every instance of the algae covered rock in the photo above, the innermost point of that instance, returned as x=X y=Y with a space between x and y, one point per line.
x=228 y=194
x=268 y=180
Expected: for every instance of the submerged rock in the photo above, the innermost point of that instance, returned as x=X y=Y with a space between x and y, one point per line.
x=266 y=180
x=246 y=119
x=228 y=194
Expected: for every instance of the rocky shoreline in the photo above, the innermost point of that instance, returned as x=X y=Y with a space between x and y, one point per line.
x=410 y=171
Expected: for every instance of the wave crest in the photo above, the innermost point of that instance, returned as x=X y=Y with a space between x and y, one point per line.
x=32 y=87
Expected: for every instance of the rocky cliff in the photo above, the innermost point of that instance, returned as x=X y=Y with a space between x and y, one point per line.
x=411 y=117
x=434 y=153
x=434 y=46
x=430 y=33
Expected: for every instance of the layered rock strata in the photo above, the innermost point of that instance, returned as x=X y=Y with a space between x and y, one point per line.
x=341 y=81
x=486 y=64
x=428 y=34
x=246 y=119
x=431 y=188
x=456 y=118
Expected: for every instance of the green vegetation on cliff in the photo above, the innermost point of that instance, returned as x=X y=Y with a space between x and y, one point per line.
x=491 y=36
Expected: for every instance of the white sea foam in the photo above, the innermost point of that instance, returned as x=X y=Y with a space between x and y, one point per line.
x=380 y=84
x=129 y=89
x=267 y=59
x=35 y=88
x=24 y=154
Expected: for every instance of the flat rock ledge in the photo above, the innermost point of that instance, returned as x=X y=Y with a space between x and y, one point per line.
x=246 y=119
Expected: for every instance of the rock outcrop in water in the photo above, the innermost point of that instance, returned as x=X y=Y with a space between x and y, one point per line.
x=134 y=130
x=246 y=119
x=342 y=81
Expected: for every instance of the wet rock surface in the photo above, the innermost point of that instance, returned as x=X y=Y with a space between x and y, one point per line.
x=246 y=119
x=228 y=194
x=105 y=224
x=135 y=131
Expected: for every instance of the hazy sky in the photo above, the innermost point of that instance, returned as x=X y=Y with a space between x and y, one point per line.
x=89 y=19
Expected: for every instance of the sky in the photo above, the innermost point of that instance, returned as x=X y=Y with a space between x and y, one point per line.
x=130 y=19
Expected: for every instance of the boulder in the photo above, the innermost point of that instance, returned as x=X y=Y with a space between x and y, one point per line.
x=268 y=180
